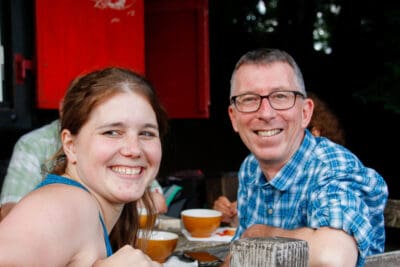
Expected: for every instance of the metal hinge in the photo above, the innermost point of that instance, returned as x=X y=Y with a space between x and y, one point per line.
x=21 y=66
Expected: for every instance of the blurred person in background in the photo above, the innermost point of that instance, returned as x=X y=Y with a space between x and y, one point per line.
x=324 y=121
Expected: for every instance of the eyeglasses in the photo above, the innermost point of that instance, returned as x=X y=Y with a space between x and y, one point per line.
x=278 y=100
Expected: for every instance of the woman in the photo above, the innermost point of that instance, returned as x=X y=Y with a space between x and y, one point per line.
x=111 y=128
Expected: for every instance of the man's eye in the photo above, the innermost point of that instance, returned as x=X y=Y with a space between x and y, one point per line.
x=248 y=99
x=280 y=96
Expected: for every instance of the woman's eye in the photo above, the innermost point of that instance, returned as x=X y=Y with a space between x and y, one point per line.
x=112 y=133
x=149 y=134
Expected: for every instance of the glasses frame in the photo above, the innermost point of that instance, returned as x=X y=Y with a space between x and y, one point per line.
x=296 y=93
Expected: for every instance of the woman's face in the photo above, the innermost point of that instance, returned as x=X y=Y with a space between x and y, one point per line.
x=117 y=153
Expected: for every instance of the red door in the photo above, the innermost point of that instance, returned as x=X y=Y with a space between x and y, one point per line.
x=77 y=36
x=177 y=55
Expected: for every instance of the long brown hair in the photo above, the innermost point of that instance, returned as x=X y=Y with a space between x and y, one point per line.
x=83 y=95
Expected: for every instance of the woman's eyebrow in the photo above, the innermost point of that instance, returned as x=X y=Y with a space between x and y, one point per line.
x=121 y=124
x=109 y=125
x=151 y=125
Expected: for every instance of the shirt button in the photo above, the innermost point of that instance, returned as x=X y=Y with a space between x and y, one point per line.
x=270 y=211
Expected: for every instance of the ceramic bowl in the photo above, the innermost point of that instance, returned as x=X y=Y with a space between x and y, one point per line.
x=201 y=222
x=143 y=218
x=160 y=244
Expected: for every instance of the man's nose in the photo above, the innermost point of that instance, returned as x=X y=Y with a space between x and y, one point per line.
x=265 y=105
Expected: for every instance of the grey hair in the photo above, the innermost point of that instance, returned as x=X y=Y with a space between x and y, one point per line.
x=267 y=56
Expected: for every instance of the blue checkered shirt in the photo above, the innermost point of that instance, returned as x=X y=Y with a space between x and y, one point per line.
x=323 y=184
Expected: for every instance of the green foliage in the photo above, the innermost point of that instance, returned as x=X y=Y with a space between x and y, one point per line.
x=385 y=87
x=342 y=33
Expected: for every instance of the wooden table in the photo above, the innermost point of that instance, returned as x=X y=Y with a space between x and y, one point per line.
x=219 y=249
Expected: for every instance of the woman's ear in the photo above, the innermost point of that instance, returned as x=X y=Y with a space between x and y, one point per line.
x=68 y=143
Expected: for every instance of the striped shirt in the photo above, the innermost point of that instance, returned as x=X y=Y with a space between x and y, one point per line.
x=322 y=185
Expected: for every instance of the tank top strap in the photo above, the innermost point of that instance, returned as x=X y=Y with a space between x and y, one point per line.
x=56 y=179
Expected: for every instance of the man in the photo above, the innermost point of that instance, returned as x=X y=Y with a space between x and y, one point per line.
x=324 y=122
x=294 y=184
x=30 y=161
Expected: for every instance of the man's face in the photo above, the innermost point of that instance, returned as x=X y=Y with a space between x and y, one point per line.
x=271 y=135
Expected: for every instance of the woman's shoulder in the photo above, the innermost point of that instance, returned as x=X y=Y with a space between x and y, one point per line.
x=64 y=200
x=58 y=211
x=57 y=219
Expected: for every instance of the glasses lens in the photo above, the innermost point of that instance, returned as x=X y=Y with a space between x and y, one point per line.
x=247 y=102
x=282 y=100
x=279 y=100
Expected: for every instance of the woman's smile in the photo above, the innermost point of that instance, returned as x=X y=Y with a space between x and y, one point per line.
x=124 y=170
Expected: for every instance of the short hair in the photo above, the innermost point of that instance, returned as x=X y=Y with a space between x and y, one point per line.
x=267 y=56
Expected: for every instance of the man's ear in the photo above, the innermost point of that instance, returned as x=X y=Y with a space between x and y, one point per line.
x=68 y=143
x=232 y=116
x=308 y=109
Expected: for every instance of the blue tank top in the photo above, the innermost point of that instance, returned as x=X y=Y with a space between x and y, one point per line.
x=56 y=179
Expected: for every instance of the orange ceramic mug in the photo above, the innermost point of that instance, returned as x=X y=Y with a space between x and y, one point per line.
x=159 y=246
x=143 y=217
x=201 y=222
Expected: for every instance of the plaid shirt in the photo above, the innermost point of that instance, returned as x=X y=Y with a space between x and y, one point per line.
x=323 y=184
